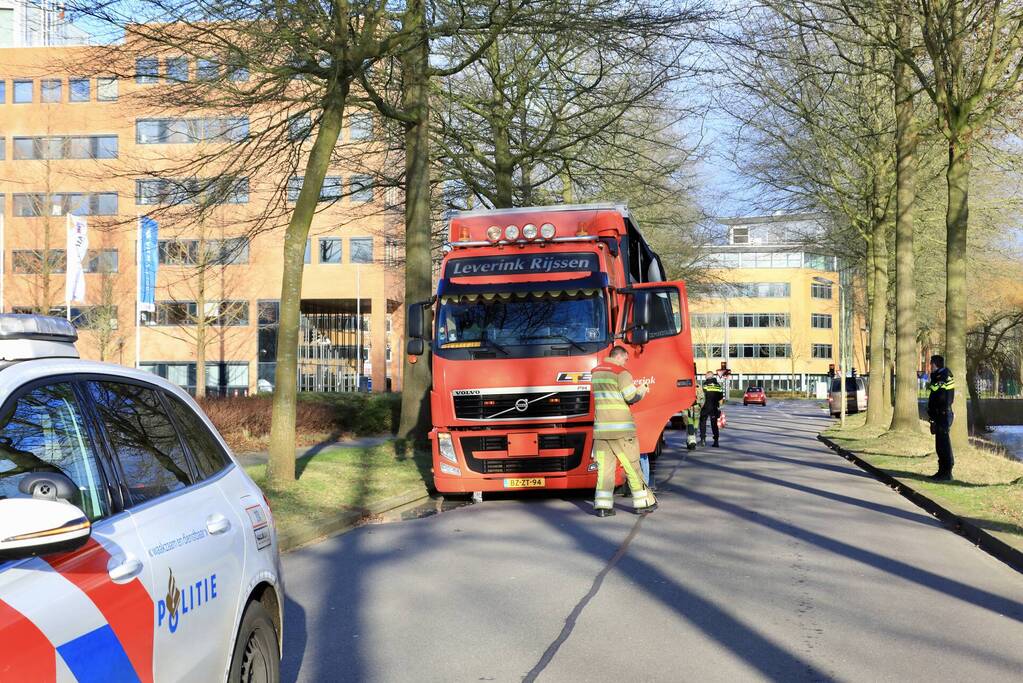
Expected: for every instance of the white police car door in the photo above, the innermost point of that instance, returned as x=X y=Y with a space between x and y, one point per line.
x=192 y=541
x=83 y=615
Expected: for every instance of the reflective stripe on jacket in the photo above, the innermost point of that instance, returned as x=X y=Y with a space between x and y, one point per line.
x=613 y=391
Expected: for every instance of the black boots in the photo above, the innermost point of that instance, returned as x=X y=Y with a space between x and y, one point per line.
x=941 y=476
x=716 y=444
x=602 y=512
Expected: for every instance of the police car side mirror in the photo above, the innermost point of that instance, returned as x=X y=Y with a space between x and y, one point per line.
x=40 y=526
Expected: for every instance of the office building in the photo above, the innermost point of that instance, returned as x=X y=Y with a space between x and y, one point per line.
x=770 y=312
x=88 y=145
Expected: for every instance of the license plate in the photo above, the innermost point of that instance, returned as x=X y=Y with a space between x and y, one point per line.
x=531 y=482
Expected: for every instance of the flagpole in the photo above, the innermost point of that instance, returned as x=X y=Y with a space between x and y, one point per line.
x=138 y=289
x=3 y=260
x=68 y=223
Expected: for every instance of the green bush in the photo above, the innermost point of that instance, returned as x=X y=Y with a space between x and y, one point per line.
x=360 y=414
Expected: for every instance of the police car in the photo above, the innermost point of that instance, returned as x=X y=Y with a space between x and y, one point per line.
x=132 y=546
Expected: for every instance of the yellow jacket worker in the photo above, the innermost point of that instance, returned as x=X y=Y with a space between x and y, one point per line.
x=614 y=434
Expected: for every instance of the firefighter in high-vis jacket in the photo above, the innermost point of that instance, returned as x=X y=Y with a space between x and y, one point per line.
x=614 y=434
x=692 y=417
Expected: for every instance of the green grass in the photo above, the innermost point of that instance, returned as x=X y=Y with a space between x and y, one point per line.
x=988 y=486
x=339 y=479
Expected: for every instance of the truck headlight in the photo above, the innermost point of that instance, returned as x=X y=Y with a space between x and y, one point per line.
x=446 y=447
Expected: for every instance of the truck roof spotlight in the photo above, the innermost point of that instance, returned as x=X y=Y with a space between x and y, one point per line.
x=494 y=233
x=529 y=231
x=547 y=231
x=511 y=233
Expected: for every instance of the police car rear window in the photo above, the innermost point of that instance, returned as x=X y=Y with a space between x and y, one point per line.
x=206 y=451
x=143 y=438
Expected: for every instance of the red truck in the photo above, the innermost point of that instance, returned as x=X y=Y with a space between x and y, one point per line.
x=528 y=302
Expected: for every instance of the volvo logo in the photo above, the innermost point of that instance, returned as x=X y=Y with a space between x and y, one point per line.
x=522 y=405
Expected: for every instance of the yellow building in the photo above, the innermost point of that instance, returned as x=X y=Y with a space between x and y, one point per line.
x=87 y=145
x=771 y=311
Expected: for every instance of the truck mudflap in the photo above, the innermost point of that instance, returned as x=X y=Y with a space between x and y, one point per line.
x=514 y=460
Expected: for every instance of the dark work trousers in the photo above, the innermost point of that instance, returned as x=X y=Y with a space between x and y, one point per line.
x=712 y=413
x=943 y=445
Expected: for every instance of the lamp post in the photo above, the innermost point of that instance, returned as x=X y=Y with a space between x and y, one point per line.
x=843 y=399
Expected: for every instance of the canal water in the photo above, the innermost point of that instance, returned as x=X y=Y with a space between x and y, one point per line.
x=1009 y=436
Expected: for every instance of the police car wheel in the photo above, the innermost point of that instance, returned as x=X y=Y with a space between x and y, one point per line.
x=256 y=657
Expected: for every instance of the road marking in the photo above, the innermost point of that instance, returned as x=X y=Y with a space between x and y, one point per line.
x=598 y=581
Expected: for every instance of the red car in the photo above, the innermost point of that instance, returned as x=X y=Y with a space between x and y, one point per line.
x=754 y=395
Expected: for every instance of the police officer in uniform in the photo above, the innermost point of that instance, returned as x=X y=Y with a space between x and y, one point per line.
x=713 y=394
x=942 y=388
x=614 y=434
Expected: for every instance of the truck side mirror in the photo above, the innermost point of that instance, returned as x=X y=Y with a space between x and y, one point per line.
x=416 y=321
x=416 y=347
x=640 y=309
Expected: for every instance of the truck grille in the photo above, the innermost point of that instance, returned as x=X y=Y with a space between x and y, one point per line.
x=502 y=406
x=471 y=445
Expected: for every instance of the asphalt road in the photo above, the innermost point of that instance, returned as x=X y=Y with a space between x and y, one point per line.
x=769 y=558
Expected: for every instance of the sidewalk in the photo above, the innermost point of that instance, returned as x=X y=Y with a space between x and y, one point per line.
x=261 y=457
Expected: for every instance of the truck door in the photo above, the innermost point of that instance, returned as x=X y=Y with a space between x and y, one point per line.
x=666 y=359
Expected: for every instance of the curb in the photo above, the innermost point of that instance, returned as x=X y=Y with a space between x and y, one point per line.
x=307 y=532
x=983 y=539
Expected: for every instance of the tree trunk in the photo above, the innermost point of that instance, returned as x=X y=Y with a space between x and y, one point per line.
x=906 y=416
x=415 y=398
x=281 y=467
x=504 y=182
x=978 y=421
x=957 y=219
x=877 y=409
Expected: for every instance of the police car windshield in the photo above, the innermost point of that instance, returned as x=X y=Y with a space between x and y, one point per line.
x=514 y=322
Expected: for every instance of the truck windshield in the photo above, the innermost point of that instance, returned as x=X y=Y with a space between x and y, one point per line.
x=523 y=323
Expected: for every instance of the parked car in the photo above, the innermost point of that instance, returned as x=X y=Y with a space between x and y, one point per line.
x=754 y=395
x=132 y=545
x=856 y=395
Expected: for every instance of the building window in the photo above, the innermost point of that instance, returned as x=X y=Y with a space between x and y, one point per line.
x=820 y=321
x=740 y=235
x=759 y=350
x=360 y=126
x=101 y=261
x=176 y=69
x=330 y=250
x=228 y=313
x=207 y=69
x=391 y=252
x=232 y=251
x=752 y=290
x=3 y=91
x=31 y=262
x=146 y=70
x=362 y=188
x=226 y=190
x=50 y=91
x=184 y=131
x=299 y=127
x=175 y=313
x=79 y=90
x=360 y=249
x=3 y=148
x=178 y=252
x=79 y=203
x=308 y=258
x=66 y=147
x=88 y=317
x=22 y=92
x=331 y=190
x=182 y=374
x=106 y=89
x=821 y=351
x=739 y=320
x=227 y=378
x=820 y=291
x=238 y=74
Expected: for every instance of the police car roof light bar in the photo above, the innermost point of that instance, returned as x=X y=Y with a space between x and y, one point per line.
x=39 y=327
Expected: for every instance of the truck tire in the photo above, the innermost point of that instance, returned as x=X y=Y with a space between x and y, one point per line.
x=257 y=654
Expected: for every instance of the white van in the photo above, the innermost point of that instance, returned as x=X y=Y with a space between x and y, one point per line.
x=856 y=396
x=132 y=546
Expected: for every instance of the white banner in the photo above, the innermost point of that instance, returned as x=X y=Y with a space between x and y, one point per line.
x=77 y=249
